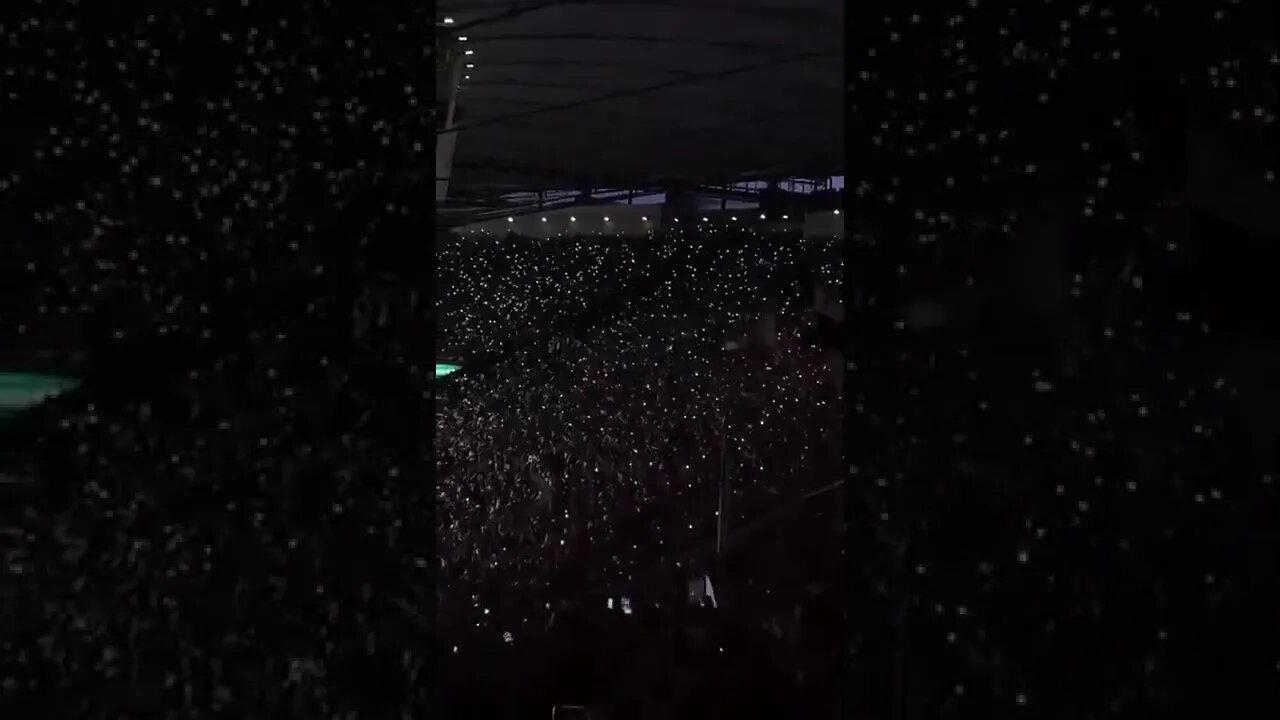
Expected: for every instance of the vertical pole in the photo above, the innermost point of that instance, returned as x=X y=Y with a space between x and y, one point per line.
x=447 y=142
x=722 y=505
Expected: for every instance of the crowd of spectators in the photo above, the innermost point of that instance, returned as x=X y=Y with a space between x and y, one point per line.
x=620 y=382
x=1061 y=391
x=231 y=513
x=235 y=502
x=234 y=510
x=1063 y=356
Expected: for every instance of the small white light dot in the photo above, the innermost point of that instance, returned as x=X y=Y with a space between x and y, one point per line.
x=544 y=219
x=448 y=21
x=469 y=52
x=511 y=219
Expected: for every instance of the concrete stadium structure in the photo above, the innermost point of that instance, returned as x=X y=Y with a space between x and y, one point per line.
x=672 y=96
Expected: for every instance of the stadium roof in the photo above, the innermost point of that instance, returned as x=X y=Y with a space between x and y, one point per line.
x=632 y=93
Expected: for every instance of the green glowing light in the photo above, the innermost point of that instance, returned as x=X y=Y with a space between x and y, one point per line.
x=20 y=391
x=443 y=369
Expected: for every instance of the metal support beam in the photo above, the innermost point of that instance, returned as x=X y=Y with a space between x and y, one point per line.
x=447 y=142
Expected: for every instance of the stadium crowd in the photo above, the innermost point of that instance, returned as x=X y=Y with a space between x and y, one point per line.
x=1065 y=358
x=625 y=378
x=233 y=495
x=234 y=509
x=1065 y=469
x=230 y=514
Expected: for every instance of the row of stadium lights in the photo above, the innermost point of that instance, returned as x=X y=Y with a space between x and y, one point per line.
x=646 y=219
x=463 y=38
